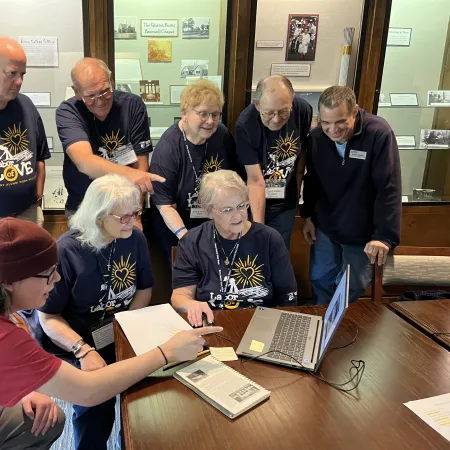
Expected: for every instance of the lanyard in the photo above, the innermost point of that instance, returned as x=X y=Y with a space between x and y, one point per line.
x=223 y=289
x=197 y=178
x=109 y=268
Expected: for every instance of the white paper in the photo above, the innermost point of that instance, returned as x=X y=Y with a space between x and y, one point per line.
x=404 y=100
x=223 y=353
x=435 y=411
x=399 y=37
x=39 y=98
x=41 y=51
x=269 y=44
x=149 y=327
x=406 y=141
x=69 y=93
x=159 y=27
x=157 y=132
x=128 y=70
x=405 y=199
x=55 y=193
x=291 y=70
x=175 y=94
x=50 y=143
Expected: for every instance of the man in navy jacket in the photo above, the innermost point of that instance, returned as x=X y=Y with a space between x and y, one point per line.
x=352 y=194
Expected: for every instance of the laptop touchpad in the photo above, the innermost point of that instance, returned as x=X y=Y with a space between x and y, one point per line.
x=264 y=325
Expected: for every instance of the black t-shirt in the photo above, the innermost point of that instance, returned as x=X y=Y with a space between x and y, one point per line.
x=170 y=160
x=262 y=272
x=126 y=123
x=276 y=151
x=86 y=291
x=22 y=144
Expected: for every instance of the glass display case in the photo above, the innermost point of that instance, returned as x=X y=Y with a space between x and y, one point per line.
x=159 y=47
x=413 y=96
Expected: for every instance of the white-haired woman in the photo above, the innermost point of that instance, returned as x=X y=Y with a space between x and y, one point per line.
x=229 y=262
x=105 y=268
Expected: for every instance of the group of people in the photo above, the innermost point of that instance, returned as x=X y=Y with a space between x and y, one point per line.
x=228 y=205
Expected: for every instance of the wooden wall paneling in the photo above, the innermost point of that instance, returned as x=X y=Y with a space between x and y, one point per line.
x=55 y=224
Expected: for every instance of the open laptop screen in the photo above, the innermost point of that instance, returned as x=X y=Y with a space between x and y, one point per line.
x=334 y=313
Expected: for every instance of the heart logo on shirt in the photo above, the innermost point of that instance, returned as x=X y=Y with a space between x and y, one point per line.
x=247 y=272
x=285 y=146
x=111 y=147
x=122 y=274
x=16 y=139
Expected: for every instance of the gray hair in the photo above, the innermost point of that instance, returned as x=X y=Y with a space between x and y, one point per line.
x=219 y=181
x=88 y=64
x=334 y=96
x=5 y=300
x=260 y=88
x=102 y=196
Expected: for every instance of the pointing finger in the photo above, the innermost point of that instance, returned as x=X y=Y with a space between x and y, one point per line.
x=207 y=330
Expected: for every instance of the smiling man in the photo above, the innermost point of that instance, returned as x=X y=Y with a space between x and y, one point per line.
x=269 y=138
x=23 y=144
x=352 y=194
x=102 y=131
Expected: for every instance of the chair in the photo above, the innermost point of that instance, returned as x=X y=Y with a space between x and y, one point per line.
x=411 y=268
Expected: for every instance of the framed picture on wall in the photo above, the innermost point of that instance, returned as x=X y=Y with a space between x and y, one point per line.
x=301 y=40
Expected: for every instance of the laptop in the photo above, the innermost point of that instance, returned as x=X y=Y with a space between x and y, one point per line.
x=304 y=336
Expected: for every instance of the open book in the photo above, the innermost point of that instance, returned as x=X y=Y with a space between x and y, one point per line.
x=224 y=388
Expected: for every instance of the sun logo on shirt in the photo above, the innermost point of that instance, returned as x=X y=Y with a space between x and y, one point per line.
x=113 y=142
x=123 y=274
x=213 y=164
x=247 y=273
x=276 y=176
x=286 y=147
x=16 y=140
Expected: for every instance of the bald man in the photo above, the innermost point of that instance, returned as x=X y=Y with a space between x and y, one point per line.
x=102 y=131
x=269 y=138
x=23 y=144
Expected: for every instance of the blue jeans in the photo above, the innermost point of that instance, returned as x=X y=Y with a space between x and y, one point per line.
x=282 y=220
x=327 y=264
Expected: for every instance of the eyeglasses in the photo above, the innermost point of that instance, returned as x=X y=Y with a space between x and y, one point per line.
x=127 y=217
x=49 y=276
x=90 y=100
x=205 y=115
x=229 y=211
x=282 y=114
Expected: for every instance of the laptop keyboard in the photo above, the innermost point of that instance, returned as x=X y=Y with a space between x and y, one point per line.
x=290 y=337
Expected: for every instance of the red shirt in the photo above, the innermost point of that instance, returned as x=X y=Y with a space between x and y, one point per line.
x=24 y=366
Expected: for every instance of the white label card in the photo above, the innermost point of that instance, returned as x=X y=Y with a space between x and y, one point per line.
x=124 y=155
x=358 y=154
x=198 y=213
x=103 y=336
x=275 y=189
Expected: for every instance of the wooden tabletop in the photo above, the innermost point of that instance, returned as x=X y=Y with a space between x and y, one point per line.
x=402 y=364
x=430 y=316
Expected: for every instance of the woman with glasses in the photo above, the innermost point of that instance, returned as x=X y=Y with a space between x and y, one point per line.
x=230 y=262
x=197 y=144
x=29 y=375
x=105 y=268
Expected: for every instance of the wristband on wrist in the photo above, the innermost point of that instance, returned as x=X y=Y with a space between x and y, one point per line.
x=89 y=350
x=165 y=359
x=179 y=230
x=77 y=346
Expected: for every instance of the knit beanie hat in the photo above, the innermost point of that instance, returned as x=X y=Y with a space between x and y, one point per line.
x=25 y=250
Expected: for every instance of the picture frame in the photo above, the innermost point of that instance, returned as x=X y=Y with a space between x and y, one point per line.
x=404 y=99
x=159 y=28
x=175 y=93
x=301 y=41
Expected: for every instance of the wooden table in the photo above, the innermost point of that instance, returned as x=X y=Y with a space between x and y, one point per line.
x=432 y=317
x=402 y=364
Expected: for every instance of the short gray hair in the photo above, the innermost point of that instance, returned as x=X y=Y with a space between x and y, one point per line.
x=87 y=64
x=334 y=96
x=260 y=88
x=219 y=181
x=102 y=196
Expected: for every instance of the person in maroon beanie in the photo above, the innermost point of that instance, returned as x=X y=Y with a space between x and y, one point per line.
x=28 y=374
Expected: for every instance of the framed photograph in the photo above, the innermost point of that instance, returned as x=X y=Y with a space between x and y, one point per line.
x=301 y=39
x=39 y=98
x=404 y=99
x=383 y=101
x=194 y=68
x=125 y=28
x=291 y=70
x=150 y=91
x=434 y=138
x=175 y=94
x=159 y=51
x=439 y=98
x=159 y=27
x=195 y=28
x=406 y=142
x=399 y=37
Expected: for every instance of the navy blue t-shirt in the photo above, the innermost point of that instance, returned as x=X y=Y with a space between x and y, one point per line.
x=170 y=160
x=86 y=291
x=126 y=123
x=22 y=144
x=262 y=272
x=276 y=151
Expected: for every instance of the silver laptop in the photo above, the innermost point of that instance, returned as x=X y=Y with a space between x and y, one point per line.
x=302 y=336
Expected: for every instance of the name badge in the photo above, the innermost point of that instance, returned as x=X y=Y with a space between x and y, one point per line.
x=197 y=213
x=358 y=154
x=275 y=189
x=103 y=334
x=124 y=155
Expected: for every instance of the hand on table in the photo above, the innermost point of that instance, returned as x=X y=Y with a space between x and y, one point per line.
x=195 y=310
